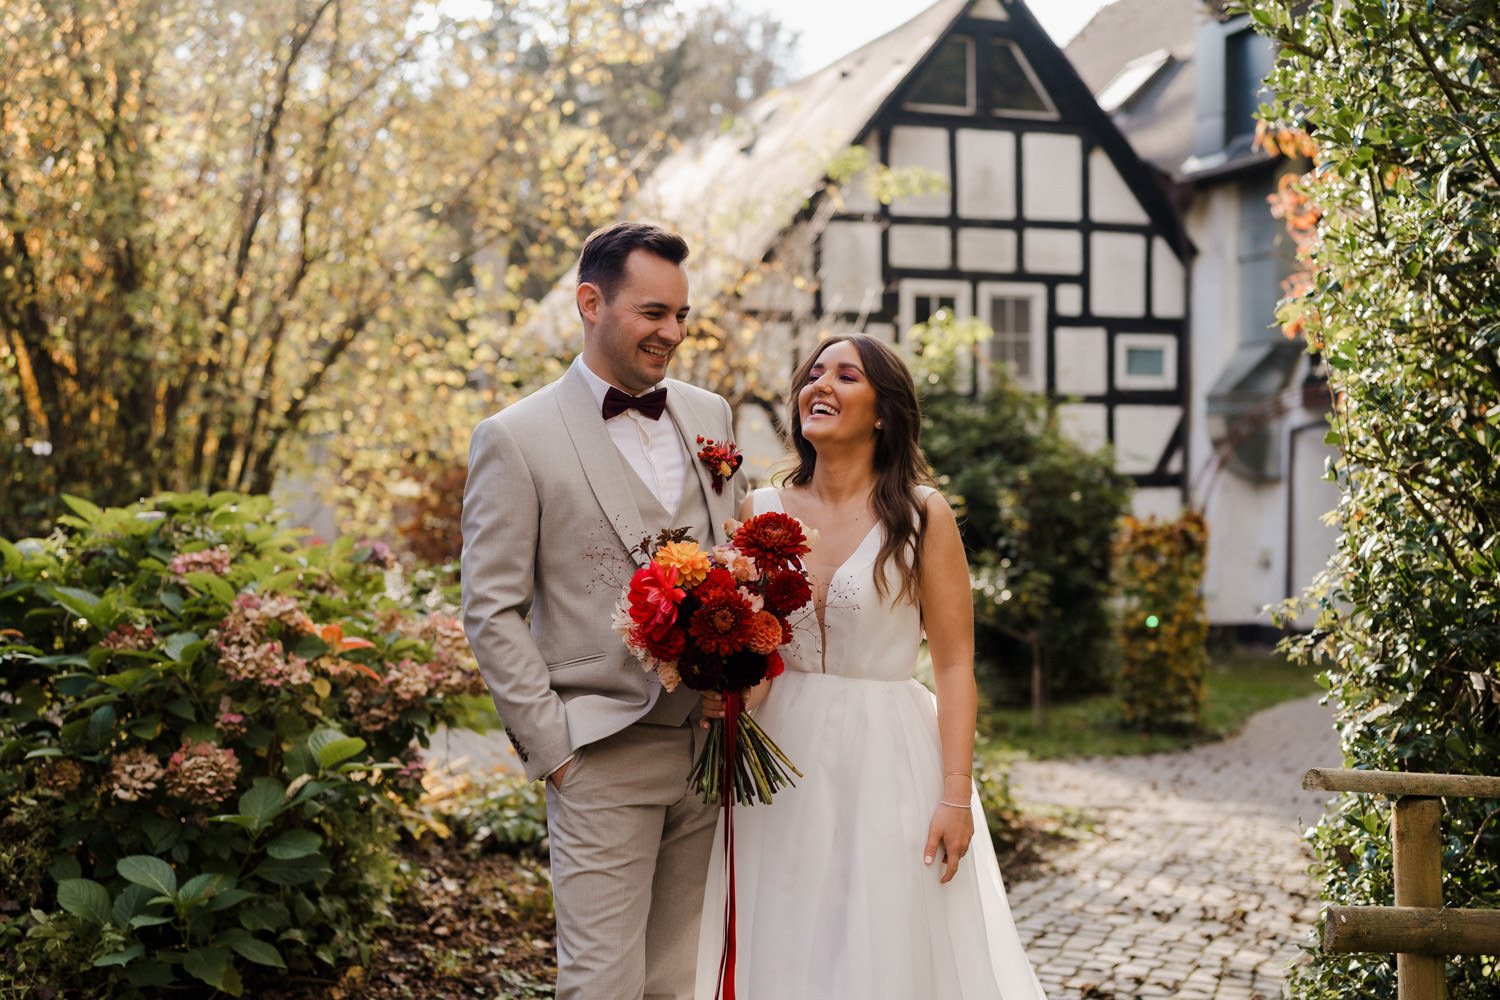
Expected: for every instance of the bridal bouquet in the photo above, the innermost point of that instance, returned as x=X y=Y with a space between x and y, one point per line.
x=714 y=622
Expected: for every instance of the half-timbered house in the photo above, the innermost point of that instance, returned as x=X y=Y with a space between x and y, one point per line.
x=1040 y=220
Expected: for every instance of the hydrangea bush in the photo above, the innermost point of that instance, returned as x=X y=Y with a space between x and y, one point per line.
x=209 y=732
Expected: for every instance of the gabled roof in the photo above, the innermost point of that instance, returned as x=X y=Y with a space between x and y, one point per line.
x=1158 y=116
x=776 y=155
x=734 y=192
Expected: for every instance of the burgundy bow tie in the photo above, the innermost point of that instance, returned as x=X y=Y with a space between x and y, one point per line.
x=650 y=405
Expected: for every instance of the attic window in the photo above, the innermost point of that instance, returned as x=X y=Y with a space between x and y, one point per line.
x=947 y=82
x=1013 y=87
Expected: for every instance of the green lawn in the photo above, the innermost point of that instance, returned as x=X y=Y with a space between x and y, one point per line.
x=1239 y=684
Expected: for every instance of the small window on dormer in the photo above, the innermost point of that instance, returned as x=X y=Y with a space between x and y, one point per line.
x=1013 y=87
x=947 y=83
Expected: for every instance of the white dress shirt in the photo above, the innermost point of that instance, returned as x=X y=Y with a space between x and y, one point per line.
x=653 y=448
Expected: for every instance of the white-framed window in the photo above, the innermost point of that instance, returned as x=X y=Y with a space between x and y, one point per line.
x=1145 y=361
x=922 y=298
x=1018 y=315
x=947 y=82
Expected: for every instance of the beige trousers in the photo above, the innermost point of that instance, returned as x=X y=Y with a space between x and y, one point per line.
x=630 y=847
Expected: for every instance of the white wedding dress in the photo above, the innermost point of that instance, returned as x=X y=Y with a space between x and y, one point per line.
x=833 y=900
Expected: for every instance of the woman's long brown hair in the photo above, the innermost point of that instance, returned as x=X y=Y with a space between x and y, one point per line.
x=899 y=465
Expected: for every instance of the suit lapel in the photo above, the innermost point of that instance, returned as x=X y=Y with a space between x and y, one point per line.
x=689 y=426
x=603 y=467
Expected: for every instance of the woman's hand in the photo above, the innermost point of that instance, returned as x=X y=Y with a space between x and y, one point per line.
x=712 y=702
x=952 y=829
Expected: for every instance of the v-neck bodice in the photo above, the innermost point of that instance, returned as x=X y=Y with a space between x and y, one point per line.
x=859 y=633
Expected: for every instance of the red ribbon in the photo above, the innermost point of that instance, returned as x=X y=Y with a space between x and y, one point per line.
x=732 y=707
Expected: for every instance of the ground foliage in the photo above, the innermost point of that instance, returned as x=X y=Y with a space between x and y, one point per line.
x=1400 y=220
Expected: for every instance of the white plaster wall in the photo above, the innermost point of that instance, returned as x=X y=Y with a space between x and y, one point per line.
x=987 y=250
x=1085 y=423
x=920 y=246
x=1168 y=293
x=1052 y=176
x=1141 y=435
x=986 y=174
x=1248 y=556
x=1161 y=502
x=850 y=267
x=1082 y=364
x=1070 y=300
x=856 y=192
x=1313 y=498
x=1117 y=274
x=921 y=146
x=1110 y=200
x=1053 y=251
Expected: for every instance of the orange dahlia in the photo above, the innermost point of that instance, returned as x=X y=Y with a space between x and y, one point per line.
x=692 y=563
x=764 y=634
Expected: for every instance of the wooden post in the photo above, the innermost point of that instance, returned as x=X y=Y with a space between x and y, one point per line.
x=1418 y=864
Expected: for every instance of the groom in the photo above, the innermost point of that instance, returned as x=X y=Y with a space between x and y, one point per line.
x=562 y=487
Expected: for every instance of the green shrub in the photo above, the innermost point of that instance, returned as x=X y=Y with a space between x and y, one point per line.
x=1402 y=299
x=1038 y=514
x=208 y=730
x=1162 y=623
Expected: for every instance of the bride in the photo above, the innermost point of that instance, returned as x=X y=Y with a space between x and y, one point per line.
x=866 y=881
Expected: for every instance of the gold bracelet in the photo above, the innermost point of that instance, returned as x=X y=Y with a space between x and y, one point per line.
x=955 y=805
x=959 y=774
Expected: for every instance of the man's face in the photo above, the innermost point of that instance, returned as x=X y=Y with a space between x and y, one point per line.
x=629 y=340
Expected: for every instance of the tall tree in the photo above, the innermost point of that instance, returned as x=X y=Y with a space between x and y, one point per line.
x=233 y=230
x=1398 y=223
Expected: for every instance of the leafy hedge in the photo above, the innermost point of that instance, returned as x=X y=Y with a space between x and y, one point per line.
x=208 y=731
x=1400 y=100
x=1162 y=624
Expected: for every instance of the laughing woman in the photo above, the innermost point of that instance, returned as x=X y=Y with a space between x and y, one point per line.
x=866 y=881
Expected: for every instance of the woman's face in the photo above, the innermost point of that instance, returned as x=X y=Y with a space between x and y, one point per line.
x=837 y=402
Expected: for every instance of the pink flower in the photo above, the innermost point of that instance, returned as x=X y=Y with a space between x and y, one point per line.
x=130 y=637
x=202 y=773
x=215 y=561
x=740 y=566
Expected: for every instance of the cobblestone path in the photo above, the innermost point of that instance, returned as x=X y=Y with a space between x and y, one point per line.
x=1193 y=882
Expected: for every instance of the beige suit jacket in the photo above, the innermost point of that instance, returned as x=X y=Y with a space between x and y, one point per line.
x=549 y=529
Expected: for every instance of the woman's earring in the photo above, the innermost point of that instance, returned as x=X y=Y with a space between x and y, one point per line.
x=879 y=424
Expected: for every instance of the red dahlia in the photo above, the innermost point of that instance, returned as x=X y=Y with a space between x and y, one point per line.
x=719 y=627
x=773 y=540
x=785 y=591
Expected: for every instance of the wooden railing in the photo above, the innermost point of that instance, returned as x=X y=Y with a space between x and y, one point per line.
x=1418 y=929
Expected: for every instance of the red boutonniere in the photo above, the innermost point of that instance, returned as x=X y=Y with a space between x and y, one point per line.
x=721 y=459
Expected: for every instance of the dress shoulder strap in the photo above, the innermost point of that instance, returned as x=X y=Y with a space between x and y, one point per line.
x=765 y=499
